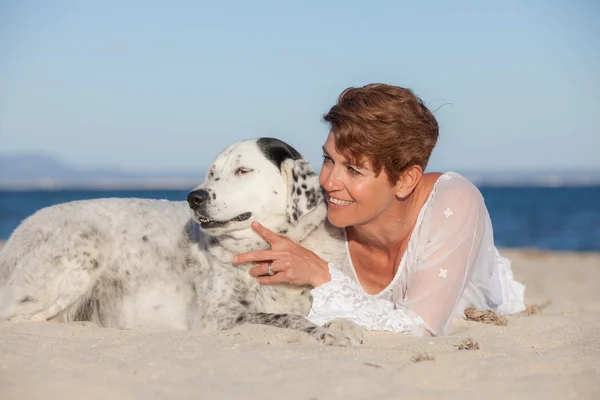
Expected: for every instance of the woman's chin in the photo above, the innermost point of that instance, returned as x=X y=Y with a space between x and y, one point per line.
x=338 y=221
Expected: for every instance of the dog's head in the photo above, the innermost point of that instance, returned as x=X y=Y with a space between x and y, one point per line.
x=264 y=180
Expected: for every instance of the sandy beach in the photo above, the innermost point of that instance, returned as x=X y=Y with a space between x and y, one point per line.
x=552 y=354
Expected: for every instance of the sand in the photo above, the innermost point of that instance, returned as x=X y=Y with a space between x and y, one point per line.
x=554 y=354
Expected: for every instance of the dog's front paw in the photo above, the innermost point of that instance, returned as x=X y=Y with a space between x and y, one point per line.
x=350 y=328
x=336 y=338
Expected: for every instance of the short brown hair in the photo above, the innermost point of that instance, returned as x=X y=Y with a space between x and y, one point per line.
x=388 y=125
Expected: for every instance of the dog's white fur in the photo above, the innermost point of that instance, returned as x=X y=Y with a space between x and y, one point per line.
x=148 y=264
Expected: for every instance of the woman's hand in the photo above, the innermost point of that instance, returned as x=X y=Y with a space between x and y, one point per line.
x=290 y=262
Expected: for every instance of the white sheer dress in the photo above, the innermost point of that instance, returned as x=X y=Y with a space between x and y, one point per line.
x=451 y=263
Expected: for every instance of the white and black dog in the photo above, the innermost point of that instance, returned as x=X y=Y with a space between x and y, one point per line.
x=145 y=264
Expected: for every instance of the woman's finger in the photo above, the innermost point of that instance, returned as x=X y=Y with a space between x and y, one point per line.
x=271 y=280
x=260 y=269
x=257 y=256
x=266 y=233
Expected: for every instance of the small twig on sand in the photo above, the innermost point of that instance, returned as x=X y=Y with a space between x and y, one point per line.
x=535 y=308
x=422 y=357
x=467 y=344
x=373 y=365
x=485 y=316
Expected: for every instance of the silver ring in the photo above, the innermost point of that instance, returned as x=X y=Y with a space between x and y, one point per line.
x=270 y=270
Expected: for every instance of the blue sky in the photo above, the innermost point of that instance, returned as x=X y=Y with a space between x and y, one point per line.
x=147 y=85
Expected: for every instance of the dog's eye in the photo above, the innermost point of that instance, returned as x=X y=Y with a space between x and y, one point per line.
x=211 y=173
x=242 y=171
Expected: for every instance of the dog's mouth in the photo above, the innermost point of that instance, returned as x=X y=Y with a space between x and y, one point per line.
x=207 y=223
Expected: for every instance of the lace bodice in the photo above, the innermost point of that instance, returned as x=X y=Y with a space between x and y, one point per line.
x=450 y=263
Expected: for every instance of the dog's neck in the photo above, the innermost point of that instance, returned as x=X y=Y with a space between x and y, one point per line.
x=224 y=247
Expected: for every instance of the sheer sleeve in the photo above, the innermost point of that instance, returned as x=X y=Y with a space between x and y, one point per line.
x=343 y=297
x=455 y=232
x=450 y=240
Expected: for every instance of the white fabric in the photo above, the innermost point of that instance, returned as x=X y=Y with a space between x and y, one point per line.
x=450 y=264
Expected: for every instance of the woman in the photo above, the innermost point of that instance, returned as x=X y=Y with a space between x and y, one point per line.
x=419 y=247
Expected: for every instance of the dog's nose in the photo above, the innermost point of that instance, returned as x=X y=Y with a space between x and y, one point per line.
x=196 y=198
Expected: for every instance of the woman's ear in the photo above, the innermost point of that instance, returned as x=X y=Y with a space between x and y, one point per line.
x=408 y=180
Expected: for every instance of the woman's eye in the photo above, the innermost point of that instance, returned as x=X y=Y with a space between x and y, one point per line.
x=326 y=158
x=353 y=171
x=242 y=171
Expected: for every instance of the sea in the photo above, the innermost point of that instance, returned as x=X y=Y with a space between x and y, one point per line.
x=545 y=218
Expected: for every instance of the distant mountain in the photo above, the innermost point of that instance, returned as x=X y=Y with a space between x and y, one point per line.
x=24 y=171
x=43 y=171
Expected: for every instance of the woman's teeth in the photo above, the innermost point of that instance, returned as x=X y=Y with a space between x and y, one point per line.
x=338 y=202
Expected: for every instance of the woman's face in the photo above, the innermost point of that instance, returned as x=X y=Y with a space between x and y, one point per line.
x=355 y=196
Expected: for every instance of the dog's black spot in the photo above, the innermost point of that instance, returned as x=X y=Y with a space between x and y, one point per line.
x=304 y=186
x=117 y=285
x=213 y=240
x=144 y=238
x=27 y=299
x=87 y=254
x=127 y=273
x=311 y=198
x=95 y=264
x=240 y=290
x=298 y=191
x=245 y=303
x=214 y=196
x=311 y=329
x=188 y=262
x=277 y=151
x=85 y=235
x=57 y=260
x=283 y=231
x=304 y=176
x=274 y=192
x=303 y=292
x=217 y=179
x=241 y=318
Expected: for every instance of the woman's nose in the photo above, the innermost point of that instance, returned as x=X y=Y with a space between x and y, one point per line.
x=330 y=180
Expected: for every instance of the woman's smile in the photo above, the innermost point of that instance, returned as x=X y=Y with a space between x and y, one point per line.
x=337 y=204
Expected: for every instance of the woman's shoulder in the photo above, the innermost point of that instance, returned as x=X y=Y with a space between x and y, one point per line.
x=452 y=187
x=455 y=203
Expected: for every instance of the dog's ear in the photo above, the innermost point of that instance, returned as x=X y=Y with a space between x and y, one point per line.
x=304 y=190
